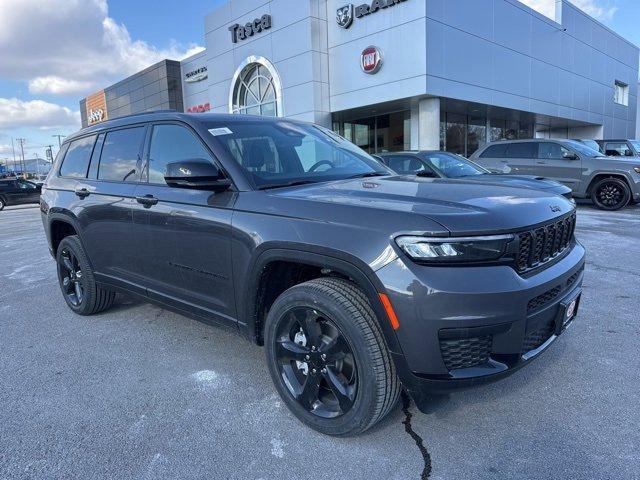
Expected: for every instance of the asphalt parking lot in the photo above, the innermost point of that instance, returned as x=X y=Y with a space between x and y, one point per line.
x=142 y=393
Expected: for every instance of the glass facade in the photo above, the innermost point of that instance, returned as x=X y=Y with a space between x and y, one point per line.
x=383 y=133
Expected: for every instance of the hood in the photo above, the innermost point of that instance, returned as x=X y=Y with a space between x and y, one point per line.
x=462 y=207
x=521 y=181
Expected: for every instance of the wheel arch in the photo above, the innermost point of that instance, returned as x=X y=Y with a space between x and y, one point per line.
x=255 y=301
x=604 y=175
x=59 y=226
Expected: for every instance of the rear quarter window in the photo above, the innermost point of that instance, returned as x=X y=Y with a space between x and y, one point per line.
x=76 y=161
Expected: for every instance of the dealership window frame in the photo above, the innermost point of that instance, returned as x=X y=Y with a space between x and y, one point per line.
x=249 y=71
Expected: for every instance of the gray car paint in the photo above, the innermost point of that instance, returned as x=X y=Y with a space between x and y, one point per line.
x=202 y=253
x=579 y=174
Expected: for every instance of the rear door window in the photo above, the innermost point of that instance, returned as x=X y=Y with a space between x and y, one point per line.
x=405 y=164
x=120 y=159
x=495 y=151
x=549 y=150
x=520 y=150
x=76 y=161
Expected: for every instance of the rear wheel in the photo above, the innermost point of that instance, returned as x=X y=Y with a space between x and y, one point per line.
x=328 y=359
x=2 y=203
x=78 y=286
x=610 y=194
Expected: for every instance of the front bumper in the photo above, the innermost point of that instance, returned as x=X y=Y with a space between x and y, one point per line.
x=461 y=326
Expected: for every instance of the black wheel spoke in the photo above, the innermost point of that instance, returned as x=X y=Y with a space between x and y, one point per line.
x=66 y=262
x=309 y=395
x=78 y=291
x=311 y=328
x=343 y=392
x=336 y=349
x=287 y=350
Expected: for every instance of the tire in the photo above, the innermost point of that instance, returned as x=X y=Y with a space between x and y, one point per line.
x=3 y=203
x=345 y=318
x=610 y=194
x=76 y=280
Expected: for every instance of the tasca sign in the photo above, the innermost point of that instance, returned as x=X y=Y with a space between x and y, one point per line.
x=242 y=32
x=346 y=13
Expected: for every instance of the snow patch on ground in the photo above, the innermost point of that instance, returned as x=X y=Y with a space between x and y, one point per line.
x=208 y=379
x=277 y=447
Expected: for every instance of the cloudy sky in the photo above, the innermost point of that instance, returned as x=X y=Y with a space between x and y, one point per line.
x=54 y=52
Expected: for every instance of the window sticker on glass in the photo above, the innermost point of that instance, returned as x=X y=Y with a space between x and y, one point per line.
x=220 y=131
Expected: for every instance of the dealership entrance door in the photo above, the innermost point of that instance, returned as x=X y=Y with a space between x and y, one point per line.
x=390 y=132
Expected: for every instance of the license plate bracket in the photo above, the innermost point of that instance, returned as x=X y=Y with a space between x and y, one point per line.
x=567 y=312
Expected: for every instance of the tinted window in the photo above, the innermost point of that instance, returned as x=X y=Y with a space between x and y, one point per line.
x=76 y=161
x=495 y=151
x=172 y=143
x=276 y=153
x=454 y=166
x=405 y=164
x=552 y=150
x=120 y=155
x=617 y=149
x=520 y=150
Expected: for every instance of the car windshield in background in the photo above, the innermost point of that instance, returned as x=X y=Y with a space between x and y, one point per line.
x=282 y=153
x=590 y=143
x=583 y=149
x=454 y=166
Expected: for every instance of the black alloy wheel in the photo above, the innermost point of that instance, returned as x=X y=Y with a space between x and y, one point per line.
x=316 y=362
x=2 y=203
x=611 y=194
x=328 y=358
x=71 y=273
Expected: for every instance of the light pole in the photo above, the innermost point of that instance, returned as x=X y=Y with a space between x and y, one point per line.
x=21 y=142
x=59 y=137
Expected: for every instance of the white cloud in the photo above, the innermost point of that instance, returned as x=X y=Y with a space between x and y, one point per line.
x=15 y=113
x=6 y=149
x=600 y=9
x=57 y=85
x=71 y=46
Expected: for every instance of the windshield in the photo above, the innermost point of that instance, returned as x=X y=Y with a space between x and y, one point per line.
x=583 y=149
x=591 y=144
x=453 y=166
x=280 y=153
x=636 y=145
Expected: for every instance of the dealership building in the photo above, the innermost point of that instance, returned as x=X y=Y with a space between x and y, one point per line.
x=408 y=74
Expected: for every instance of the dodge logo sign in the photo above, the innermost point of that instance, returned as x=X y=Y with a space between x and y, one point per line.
x=371 y=60
x=344 y=16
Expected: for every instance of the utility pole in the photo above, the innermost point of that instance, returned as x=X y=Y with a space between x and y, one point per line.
x=59 y=137
x=13 y=147
x=21 y=142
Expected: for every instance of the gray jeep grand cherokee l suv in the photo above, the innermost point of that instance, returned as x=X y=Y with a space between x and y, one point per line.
x=610 y=182
x=356 y=281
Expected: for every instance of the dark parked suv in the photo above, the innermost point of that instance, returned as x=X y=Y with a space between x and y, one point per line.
x=356 y=280
x=18 y=192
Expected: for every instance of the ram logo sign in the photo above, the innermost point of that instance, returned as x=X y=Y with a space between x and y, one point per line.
x=344 y=16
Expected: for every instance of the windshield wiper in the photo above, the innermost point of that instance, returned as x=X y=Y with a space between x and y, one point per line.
x=369 y=174
x=269 y=186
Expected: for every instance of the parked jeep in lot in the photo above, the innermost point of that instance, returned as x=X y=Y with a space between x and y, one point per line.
x=357 y=281
x=438 y=164
x=18 y=192
x=620 y=147
x=610 y=182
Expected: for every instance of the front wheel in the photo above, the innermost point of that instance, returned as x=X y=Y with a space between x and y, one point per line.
x=2 y=203
x=328 y=359
x=610 y=194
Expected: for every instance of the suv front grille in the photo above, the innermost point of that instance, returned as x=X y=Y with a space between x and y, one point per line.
x=540 y=245
x=466 y=352
x=541 y=300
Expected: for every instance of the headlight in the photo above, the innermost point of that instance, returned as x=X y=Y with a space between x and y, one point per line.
x=467 y=249
x=637 y=169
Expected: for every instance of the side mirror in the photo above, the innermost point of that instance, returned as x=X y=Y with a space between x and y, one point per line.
x=628 y=153
x=196 y=173
x=570 y=156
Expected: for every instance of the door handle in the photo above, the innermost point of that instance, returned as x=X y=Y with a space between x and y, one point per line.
x=541 y=162
x=147 y=200
x=504 y=161
x=82 y=192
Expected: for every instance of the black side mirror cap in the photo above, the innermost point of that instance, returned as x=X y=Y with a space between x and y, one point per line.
x=196 y=173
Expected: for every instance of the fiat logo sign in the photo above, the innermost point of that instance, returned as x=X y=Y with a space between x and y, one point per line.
x=371 y=60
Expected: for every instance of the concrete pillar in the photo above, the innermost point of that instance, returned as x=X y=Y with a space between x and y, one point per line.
x=425 y=125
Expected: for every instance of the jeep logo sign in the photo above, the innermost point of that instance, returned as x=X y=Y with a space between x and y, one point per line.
x=239 y=32
x=345 y=15
x=371 y=60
